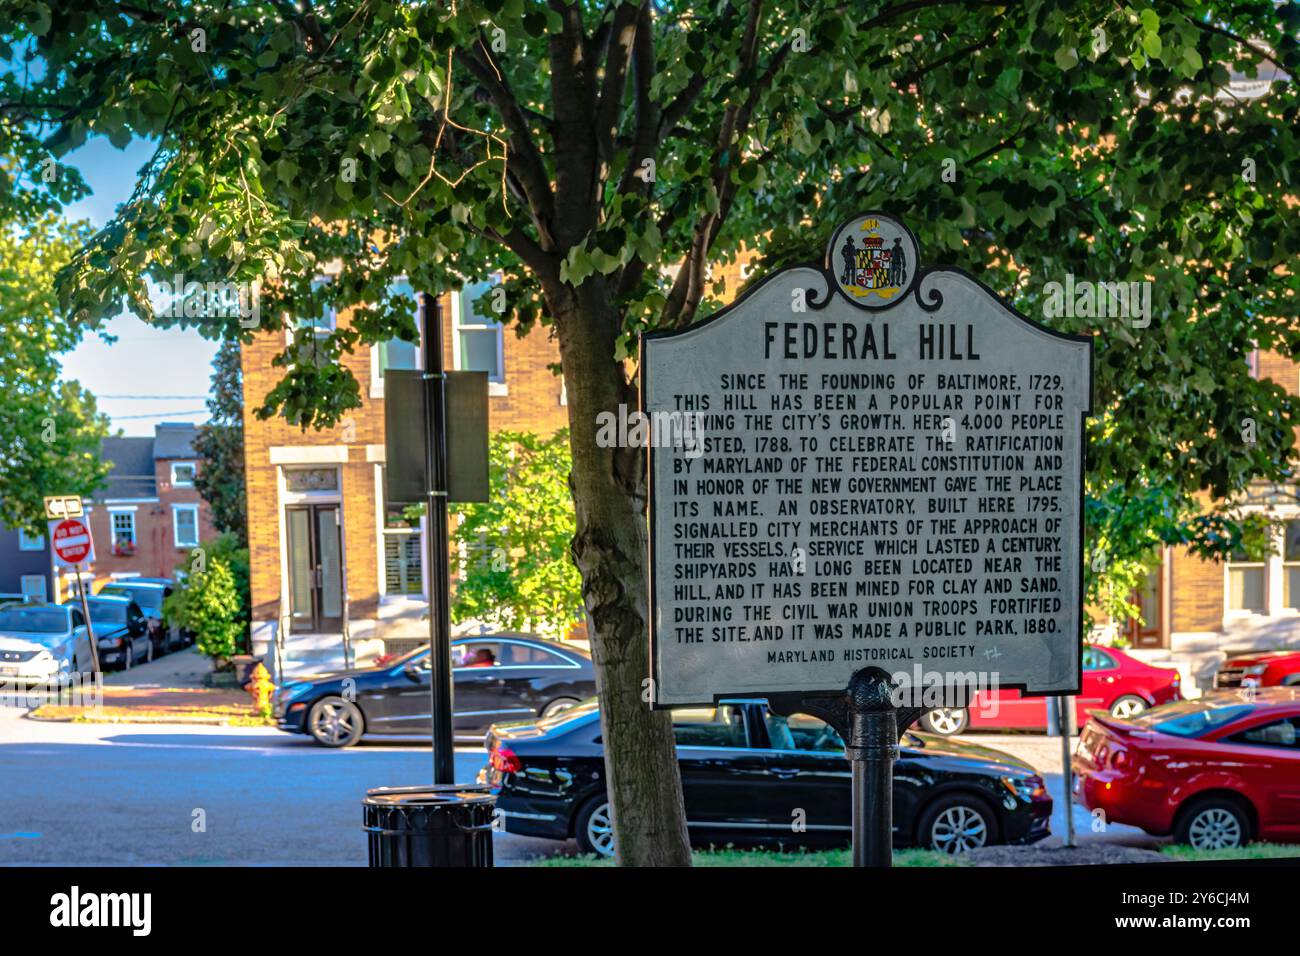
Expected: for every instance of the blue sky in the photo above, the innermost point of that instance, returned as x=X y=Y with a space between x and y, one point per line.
x=149 y=374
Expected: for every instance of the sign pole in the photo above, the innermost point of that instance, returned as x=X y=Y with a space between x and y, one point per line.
x=436 y=545
x=1064 y=707
x=85 y=609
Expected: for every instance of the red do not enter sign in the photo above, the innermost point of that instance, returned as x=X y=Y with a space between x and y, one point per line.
x=71 y=540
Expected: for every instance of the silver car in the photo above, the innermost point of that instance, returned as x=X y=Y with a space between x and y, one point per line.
x=40 y=641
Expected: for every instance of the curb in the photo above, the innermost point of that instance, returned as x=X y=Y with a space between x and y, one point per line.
x=177 y=719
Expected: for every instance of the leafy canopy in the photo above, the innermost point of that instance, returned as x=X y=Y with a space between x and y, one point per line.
x=606 y=153
x=51 y=428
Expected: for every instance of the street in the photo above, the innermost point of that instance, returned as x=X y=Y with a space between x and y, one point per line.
x=170 y=794
x=104 y=794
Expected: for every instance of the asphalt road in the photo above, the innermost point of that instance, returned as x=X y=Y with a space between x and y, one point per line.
x=86 y=794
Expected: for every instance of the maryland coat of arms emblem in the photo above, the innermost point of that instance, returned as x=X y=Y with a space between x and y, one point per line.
x=873 y=258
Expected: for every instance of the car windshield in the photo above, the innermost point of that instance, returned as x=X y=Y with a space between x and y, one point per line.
x=110 y=612
x=148 y=598
x=1192 y=718
x=33 y=620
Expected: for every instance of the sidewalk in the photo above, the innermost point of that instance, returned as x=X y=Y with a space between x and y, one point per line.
x=158 y=705
x=169 y=690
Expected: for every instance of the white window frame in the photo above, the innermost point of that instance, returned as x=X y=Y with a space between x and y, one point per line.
x=376 y=379
x=1286 y=566
x=112 y=526
x=176 y=527
x=496 y=386
x=25 y=579
x=176 y=482
x=325 y=324
x=28 y=543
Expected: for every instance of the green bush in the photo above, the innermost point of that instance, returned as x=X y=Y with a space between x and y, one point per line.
x=517 y=571
x=212 y=600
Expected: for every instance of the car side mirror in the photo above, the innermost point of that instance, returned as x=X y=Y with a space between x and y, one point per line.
x=412 y=671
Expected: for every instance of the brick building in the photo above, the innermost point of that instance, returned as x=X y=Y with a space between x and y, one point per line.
x=145 y=522
x=328 y=556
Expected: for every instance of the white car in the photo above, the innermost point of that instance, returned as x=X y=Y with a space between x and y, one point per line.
x=41 y=641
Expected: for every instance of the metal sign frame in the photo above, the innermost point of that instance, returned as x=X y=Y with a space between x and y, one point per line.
x=930 y=301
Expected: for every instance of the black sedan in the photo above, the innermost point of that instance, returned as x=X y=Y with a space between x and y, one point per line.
x=495 y=677
x=121 y=631
x=749 y=776
x=149 y=593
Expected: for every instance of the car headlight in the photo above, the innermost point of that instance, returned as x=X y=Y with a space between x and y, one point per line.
x=1027 y=789
x=290 y=691
x=1256 y=670
x=43 y=657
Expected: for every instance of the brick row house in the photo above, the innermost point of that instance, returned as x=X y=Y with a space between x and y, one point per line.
x=328 y=555
x=146 y=520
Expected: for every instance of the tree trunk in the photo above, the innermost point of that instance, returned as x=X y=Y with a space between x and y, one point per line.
x=610 y=550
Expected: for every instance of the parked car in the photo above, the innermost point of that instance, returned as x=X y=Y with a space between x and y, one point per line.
x=121 y=631
x=149 y=593
x=1112 y=680
x=496 y=677
x=750 y=776
x=39 y=641
x=1216 y=772
x=1260 y=669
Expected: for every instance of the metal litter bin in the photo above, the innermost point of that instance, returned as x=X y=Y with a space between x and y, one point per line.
x=447 y=825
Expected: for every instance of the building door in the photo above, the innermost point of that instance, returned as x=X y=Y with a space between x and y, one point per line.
x=1148 y=632
x=315 y=568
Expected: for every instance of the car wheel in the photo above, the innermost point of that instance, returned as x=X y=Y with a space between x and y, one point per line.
x=557 y=706
x=335 y=722
x=1130 y=705
x=594 y=827
x=1215 y=824
x=957 y=824
x=946 y=721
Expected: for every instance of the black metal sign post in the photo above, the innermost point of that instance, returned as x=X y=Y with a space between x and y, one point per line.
x=436 y=546
x=870 y=723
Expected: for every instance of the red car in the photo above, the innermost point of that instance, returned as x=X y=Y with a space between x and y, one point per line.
x=1112 y=680
x=1261 y=669
x=1216 y=772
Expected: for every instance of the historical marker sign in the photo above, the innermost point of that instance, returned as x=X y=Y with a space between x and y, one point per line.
x=881 y=465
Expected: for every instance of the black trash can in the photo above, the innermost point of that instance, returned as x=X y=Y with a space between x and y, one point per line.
x=437 y=825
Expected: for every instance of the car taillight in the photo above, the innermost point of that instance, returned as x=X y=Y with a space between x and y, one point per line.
x=504 y=759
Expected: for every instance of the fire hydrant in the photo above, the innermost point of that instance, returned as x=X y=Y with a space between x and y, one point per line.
x=261 y=687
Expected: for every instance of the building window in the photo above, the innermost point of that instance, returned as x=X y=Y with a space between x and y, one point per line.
x=183 y=474
x=478 y=334
x=122 y=524
x=33 y=586
x=397 y=353
x=185 y=525
x=1246 y=587
x=1291 y=565
x=300 y=480
x=30 y=542
x=403 y=563
x=326 y=321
